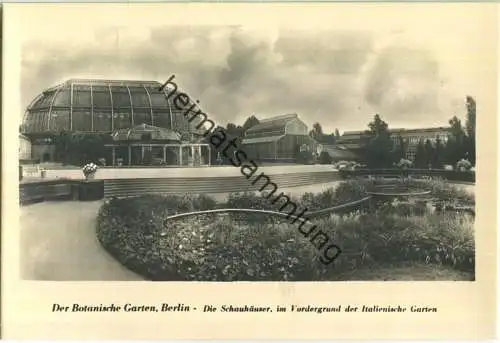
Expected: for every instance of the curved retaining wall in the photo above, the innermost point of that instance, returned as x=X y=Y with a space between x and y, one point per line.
x=130 y=187
x=65 y=189
x=130 y=182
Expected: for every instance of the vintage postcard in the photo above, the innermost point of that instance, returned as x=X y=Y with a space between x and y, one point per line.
x=249 y=171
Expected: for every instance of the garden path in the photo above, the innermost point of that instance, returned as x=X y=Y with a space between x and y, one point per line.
x=58 y=243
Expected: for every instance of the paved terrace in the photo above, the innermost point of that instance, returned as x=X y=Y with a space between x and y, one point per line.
x=194 y=172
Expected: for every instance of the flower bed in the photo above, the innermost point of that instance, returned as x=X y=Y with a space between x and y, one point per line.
x=200 y=247
x=226 y=247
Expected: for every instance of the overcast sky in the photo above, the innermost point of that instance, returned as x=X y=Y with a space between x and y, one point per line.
x=336 y=64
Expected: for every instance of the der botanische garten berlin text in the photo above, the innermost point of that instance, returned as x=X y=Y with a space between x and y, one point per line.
x=329 y=251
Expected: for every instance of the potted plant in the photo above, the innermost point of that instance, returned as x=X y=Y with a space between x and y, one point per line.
x=90 y=189
x=89 y=170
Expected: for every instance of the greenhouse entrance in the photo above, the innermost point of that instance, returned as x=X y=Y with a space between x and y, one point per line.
x=147 y=145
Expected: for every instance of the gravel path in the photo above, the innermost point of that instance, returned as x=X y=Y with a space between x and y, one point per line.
x=58 y=243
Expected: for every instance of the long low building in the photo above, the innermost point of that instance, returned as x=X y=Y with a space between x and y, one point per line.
x=353 y=140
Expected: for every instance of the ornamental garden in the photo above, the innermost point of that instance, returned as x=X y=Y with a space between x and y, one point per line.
x=407 y=229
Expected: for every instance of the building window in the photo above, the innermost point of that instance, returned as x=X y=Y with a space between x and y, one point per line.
x=63 y=98
x=82 y=120
x=142 y=116
x=158 y=99
x=121 y=97
x=81 y=97
x=139 y=97
x=161 y=118
x=102 y=120
x=101 y=97
x=59 y=120
x=122 y=118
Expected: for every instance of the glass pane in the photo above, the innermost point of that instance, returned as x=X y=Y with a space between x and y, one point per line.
x=45 y=100
x=101 y=98
x=121 y=97
x=82 y=120
x=29 y=121
x=63 y=98
x=139 y=97
x=81 y=88
x=122 y=119
x=102 y=120
x=59 y=120
x=142 y=116
x=35 y=120
x=81 y=98
x=158 y=99
x=38 y=121
x=179 y=121
x=161 y=118
x=43 y=121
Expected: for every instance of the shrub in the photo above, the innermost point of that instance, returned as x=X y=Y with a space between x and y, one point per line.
x=201 y=248
x=386 y=239
x=464 y=165
x=249 y=200
x=325 y=158
x=404 y=164
x=345 y=192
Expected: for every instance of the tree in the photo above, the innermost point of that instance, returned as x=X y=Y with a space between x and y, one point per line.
x=470 y=128
x=378 y=144
x=234 y=130
x=337 y=133
x=325 y=158
x=429 y=153
x=420 y=156
x=437 y=160
x=317 y=132
x=251 y=121
x=455 y=147
x=470 y=124
x=400 y=149
x=303 y=155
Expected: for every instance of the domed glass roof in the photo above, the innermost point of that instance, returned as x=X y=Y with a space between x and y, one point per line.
x=104 y=106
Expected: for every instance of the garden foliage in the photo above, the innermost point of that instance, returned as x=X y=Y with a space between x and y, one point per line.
x=227 y=247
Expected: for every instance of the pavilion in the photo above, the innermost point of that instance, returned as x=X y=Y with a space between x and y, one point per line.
x=151 y=145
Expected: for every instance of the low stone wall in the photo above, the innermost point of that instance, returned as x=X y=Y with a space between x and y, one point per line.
x=449 y=175
x=60 y=190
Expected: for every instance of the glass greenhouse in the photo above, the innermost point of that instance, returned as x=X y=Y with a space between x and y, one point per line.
x=103 y=106
x=115 y=122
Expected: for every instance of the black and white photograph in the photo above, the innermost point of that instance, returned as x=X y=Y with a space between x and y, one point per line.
x=341 y=150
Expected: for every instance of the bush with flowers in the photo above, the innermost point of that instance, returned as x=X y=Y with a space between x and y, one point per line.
x=89 y=170
x=464 y=165
x=404 y=164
